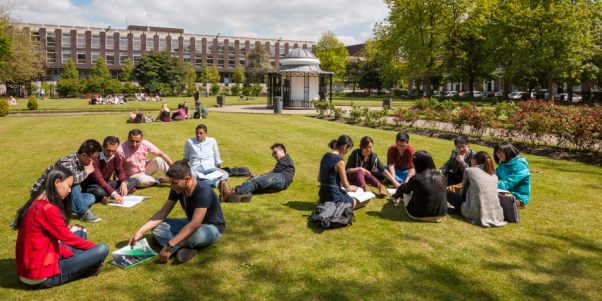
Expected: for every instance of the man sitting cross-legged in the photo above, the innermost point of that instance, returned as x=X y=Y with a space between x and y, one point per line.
x=204 y=223
x=203 y=155
x=134 y=152
x=274 y=180
x=99 y=183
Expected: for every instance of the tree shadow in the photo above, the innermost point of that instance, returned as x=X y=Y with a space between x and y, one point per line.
x=302 y=206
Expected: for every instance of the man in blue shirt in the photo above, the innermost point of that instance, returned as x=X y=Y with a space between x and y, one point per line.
x=203 y=156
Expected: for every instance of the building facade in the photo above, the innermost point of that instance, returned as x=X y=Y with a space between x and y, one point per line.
x=84 y=45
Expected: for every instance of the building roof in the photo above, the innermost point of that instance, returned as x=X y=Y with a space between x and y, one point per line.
x=301 y=62
x=161 y=29
x=300 y=53
x=355 y=49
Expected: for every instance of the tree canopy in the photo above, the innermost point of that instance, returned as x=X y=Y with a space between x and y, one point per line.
x=332 y=54
x=258 y=64
x=127 y=72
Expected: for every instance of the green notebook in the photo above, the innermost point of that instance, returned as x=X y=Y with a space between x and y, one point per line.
x=127 y=256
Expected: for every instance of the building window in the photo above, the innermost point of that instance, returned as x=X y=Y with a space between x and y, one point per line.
x=114 y=74
x=81 y=41
x=81 y=57
x=51 y=56
x=66 y=40
x=220 y=62
x=175 y=46
x=85 y=73
x=251 y=47
x=501 y=87
x=66 y=55
x=137 y=44
x=242 y=49
x=110 y=42
x=209 y=61
x=242 y=61
x=281 y=53
x=162 y=44
x=110 y=58
x=273 y=62
x=150 y=44
x=123 y=43
x=198 y=46
x=198 y=61
x=272 y=50
x=96 y=42
x=231 y=49
x=122 y=57
x=187 y=58
x=220 y=48
x=95 y=56
x=137 y=57
x=50 y=39
x=210 y=47
x=186 y=46
x=35 y=36
x=231 y=63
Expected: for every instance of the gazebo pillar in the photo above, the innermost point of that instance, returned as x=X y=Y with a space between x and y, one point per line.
x=330 y=92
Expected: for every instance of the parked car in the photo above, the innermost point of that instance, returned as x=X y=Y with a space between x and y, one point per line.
x=462 y=94
x=565 y=97
x=498 y=94
x=451 y=93
x=517 y=95
x=478 y=94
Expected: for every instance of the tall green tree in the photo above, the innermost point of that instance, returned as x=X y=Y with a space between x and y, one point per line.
x=258 y=64
x=175 y=74
x=70 y=72
x=100 y=69
x=127 y=72
x=332 y=54
x=190 y=78
x=150 y=70
x=373 y=76
x=5 y=45
x=239 y=74
x=353 y=71
x=212 y=75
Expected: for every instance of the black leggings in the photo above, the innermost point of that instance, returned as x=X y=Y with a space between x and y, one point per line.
x=455 y=200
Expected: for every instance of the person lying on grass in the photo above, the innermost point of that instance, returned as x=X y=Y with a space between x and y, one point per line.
x=478 y=200
x=460 y=159
x=203 y=225
x=48 y=254
x=274 y=180
x=513 y=172
x=332 y=174
x=428 y=202
x=363 y=164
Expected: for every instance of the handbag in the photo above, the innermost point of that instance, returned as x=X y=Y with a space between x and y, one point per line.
x=508 y=203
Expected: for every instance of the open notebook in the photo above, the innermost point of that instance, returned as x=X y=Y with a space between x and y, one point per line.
x=361 y=195
x=130 y=201
x=127 y=256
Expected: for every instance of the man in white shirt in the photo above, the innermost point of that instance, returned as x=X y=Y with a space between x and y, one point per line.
x=202 y=154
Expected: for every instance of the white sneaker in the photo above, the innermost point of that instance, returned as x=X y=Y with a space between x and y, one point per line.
x=158 y=180
x=395 y=201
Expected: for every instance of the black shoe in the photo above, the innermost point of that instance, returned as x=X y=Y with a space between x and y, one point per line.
x=387 y=182
x=153 y=242
x=185 y=254
x=93 y=271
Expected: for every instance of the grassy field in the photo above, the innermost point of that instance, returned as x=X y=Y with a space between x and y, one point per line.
x=555 y=253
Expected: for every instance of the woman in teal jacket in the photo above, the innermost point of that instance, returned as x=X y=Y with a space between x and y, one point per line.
x=513 y=172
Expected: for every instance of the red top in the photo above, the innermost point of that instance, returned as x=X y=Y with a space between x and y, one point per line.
x=406 y=162
x=103 y=172
x=38 y=249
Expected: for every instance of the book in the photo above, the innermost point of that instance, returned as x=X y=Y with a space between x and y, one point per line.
x=361 y=196
x=210 y=176
x=130 y=201
x=128 y=257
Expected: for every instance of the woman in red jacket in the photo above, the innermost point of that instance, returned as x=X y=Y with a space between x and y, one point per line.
x=43 y=261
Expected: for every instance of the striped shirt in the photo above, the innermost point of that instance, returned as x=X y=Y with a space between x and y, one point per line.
x=69 y=161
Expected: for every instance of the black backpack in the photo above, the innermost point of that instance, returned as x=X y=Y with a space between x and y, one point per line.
x=332 y=215
x=237 y=171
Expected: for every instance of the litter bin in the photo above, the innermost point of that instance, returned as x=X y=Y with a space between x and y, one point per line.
x=387 y=102
x=221 y=100
x=206 y=94
x=278 y=105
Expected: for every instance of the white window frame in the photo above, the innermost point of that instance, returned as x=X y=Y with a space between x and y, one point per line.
x=66 y=40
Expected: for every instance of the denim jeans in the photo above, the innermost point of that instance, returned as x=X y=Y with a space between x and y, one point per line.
x=206 y=235
x=401 y=175
x=81 y=202
x=200 y=170
x=72 y=267
x=99 y=192
x=266 y=184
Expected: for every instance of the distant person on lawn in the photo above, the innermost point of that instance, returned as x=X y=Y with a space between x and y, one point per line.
x=164 y=115
x=203 y=225
x=332 y=175
x=80 y=164
x=99 y=183
x=513 y=172
x=460 y=159
x=48 y=254
x=203 y=155
x=134 y=153
x=362 y=163
x=478 y=201
x=272 y=181
x=428 y=202
x=399 y=158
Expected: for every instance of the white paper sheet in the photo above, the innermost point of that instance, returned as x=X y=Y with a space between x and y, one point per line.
x=130 y=201
x=361 y=195
x=210 y=176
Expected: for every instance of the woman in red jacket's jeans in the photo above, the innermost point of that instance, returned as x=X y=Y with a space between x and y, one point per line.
x=43 y=261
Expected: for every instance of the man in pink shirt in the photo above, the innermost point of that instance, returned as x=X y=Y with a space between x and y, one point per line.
x=134 y=154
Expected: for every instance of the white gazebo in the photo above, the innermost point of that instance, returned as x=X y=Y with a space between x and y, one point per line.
x=299 y=80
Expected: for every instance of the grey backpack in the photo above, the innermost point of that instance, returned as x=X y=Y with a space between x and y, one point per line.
x=333 y=215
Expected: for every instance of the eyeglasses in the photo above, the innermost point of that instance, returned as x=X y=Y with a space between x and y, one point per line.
x=274 y=154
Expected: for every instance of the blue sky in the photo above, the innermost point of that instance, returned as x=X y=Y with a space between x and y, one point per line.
x=350 y=20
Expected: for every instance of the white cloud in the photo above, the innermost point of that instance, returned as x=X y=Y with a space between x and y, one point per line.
x=364 y=34
x=300 y=20
x=349 y=40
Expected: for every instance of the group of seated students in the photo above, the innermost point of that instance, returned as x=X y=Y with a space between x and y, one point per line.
x=141 y=97
x=109 y=100
x=424 y=189
x=182 y=113
x=49 y=253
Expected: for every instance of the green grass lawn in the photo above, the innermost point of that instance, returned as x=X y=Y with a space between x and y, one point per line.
x=555 y=253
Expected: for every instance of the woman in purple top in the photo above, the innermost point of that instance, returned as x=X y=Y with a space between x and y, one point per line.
x=182 y=111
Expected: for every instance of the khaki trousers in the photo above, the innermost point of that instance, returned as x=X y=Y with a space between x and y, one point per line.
x=145 y=179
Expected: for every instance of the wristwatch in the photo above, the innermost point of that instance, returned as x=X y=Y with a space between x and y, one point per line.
x=169 y=247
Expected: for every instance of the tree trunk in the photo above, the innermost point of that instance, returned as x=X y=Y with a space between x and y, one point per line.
x=569 y=93
x=353 y=88
x=551 y=84
x=505 y=88
x=471 y=86
x=428 y=86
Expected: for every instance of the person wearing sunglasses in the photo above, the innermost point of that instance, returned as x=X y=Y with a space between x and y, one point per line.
x=274 y=180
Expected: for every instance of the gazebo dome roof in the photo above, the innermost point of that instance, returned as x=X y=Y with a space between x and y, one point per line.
x=300 y=53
